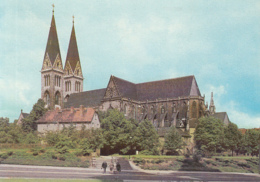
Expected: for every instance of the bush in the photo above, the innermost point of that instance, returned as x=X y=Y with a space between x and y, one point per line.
x=62 y=157
x=78 y=153
x=138 y=160
x=10 y=153
x=42 y=150
x=4 y=156
x=196 y=157
x=35 y=153
x=187 y=155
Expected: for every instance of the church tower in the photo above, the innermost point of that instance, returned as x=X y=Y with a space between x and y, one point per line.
x=73 y=77
x=52 y=70
x=212 y=108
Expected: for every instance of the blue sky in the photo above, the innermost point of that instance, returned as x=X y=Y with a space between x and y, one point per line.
x=217 y=41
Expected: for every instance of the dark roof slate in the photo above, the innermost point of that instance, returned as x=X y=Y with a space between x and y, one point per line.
x=52 y=47
x=220 y=115
x=88 y=99
x=73 y=53
x=162 y=89
x=25 y=114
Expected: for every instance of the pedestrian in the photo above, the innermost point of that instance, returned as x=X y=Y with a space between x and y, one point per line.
x=111 y=166
x=118 y=167
x=104 y=166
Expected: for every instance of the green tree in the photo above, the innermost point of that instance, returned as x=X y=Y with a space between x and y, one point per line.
x=29 y=123
x=251 y=142
x=232 y=137
x=209 y=134
x=147 y=138
x=173 y=140
x=116 y=131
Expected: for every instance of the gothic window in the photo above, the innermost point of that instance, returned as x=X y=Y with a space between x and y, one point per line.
x=162 y=110
x=152 y=109
x=57 y=98
x=194 y=109
x=77 y=72
x=68 y=72
x=47 y=98
x=174 y=107
x=125 y=109
x=66 y=98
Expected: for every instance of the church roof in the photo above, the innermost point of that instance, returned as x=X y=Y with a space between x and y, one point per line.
x=89 y=98
x=221 y=116
x=162 y=89
x=24 y=114
x=52 y=47
x=73 y=53
x=68 y=115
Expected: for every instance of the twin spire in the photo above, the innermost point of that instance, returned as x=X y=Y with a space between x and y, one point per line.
x=52 y=52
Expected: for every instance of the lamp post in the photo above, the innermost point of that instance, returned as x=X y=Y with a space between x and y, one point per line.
x=130 y=145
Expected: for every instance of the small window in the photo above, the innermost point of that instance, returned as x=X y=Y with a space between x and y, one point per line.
x=162 y=110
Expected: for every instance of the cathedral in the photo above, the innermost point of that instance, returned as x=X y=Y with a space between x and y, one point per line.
x=172 y=102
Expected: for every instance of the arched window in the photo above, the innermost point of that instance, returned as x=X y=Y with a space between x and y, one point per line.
x=152 y=109
x=194 y=109
x=47 y=98
x=174 y=107
x=125 y=109
x=162 y=110
x=68 y=72
x=66 y=98
x=57 y=98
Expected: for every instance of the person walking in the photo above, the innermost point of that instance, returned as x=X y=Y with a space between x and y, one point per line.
x=118 y=167
x=104 y=166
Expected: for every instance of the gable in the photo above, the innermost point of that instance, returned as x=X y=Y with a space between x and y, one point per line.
x=111 y=90
x=58 y=63
x=78 y=71
x=46 y=62
x=194 y=91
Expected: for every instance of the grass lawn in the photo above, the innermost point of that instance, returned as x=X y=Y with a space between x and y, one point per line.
x=58 y=180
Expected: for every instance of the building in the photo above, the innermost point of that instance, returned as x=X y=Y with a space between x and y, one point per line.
x=172 y=102
x=22 y=116
x=55 y=120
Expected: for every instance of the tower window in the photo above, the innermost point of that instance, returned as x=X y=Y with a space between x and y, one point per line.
x=162 y=110
x=194 y=109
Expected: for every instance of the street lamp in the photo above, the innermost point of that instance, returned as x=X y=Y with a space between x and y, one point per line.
x=130 y=145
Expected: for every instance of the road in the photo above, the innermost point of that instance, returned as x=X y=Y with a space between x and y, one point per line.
x=18 y=171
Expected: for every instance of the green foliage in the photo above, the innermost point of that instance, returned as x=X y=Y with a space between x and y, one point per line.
x=147 y=138
x=52 y=138
x=209 y=134
x=4 y=156
x=232 y=137
x=250 y=142
x=117 y=131
x=31 y=138
x=173 y=140
x=63 y=145
x=29 y=123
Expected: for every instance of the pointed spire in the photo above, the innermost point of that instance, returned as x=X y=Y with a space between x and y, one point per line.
x=212 y=108
x=73 y=54
x=52 y=48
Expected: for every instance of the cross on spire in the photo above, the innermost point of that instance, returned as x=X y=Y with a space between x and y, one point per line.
x=73 y=19
x=53 y=9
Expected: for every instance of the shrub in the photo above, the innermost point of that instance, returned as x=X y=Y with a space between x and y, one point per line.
x=42 y=150
x=10 y=153
x=138 y=160
x=4 y=156
x=78 y=153
x=196 y=157
x=62 y=157
x=35 y=153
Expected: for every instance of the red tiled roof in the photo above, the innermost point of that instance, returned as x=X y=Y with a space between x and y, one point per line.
x=68 y=116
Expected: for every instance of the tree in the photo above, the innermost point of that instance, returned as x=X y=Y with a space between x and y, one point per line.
x=116 y=131
x=232 y=137
x=251 y=142
x=209 y=134
x=173 y=140
x=147 y=138
x=29 y=123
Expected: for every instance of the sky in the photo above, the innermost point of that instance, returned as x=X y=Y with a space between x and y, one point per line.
x=217 y=41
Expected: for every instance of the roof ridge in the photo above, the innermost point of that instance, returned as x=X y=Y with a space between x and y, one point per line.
x=123 y=79
x=166 y=79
